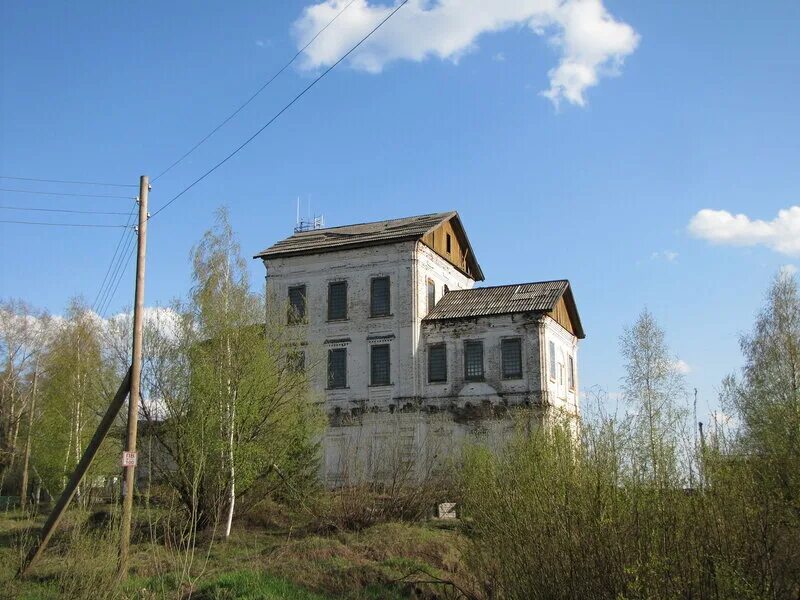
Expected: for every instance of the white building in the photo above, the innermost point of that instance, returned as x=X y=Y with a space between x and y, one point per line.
x=408 y=357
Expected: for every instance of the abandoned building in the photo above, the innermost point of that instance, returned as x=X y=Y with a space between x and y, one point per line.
x=410 y=359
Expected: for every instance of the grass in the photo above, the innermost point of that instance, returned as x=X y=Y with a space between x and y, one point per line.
x=390 y=561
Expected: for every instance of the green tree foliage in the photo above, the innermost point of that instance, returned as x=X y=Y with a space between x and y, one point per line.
x=76 y=385
x=230 y=413
x=613 y=515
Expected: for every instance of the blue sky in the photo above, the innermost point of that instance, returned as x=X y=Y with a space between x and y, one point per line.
x=702 y=114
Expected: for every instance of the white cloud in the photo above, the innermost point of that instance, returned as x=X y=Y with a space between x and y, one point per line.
x=667 y=255
x=682 y=367
x=781 y=234
x=590 y=42
x=788 y=270
x=499 y=57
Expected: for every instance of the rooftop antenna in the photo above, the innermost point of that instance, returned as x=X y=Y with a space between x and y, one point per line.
x=310 y=222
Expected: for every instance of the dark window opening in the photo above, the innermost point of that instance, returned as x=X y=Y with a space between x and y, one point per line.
x=379 y=365
x=379 y=304
x=473 y=360
x=337 y=300
x=447 y=243
x=511 y=351
x=437 y=363
x=297 y=304
x=571 y=373
x=431 y=295
x=296 y=361
x=337 y=368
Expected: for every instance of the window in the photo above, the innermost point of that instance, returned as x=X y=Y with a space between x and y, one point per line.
x=437 y=363
x=337 y=368
x=296 y=361
x=511 y=351
x=379 y=365
x=447 y=242
x=473 y=360
x=297 y=304
x=431 y=295
x=571 y=373
x=379 y=304
x=337 y=300
x=552 y=357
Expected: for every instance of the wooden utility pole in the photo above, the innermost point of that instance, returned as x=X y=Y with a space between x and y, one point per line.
x=23 y=487
x=61 y=505
x=129 y=457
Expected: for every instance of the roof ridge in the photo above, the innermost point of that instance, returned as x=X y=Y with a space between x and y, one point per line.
x=492 y=287
x=322 y=229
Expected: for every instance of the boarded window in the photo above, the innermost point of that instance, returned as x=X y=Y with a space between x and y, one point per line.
x=379 y=304
x=296 y=361
x=379 y=364
x=447 y=242
x=337 y=300
x=552 y=352
x=297 y=304
x=511 y=351
x=571 y=373
x=337 y=368
x=431 y=295
x=473 y=360
x=437 y=363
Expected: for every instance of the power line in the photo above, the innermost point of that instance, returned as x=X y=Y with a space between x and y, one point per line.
x=115 y=273
x=61 y=224
x=95 y=304
x=36 y=193
x=281 y=111
x=67 y=181
x=62 y=210
x=253 y=97
x=122 y=266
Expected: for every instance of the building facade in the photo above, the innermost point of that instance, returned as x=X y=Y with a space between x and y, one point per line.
x=408 y=357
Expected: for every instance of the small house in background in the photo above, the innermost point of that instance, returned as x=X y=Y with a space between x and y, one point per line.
x=410 y=359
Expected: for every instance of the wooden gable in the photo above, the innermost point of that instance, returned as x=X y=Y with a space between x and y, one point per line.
x=565 y=313
x=449 y=240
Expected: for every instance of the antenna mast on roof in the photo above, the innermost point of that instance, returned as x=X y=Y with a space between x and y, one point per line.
x=309 y=223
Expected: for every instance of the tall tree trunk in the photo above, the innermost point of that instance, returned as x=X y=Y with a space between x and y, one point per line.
x=23 y=488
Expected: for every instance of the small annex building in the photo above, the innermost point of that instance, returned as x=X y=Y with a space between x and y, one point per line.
x=409 y=358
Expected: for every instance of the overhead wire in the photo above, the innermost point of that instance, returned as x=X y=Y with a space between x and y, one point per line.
x=102 y=225
x=61 y=210
x=95 y=304
x=253 y=97
x=281 y=111
x=71 y=194
x=68 y=181
x=116 y=276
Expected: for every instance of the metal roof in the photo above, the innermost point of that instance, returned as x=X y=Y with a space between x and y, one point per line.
x=362 y=234
x=540 y=297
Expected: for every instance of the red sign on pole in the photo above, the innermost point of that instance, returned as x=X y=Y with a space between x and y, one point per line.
x=129 y=459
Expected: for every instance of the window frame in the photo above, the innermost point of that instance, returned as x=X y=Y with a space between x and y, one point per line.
x=295 y=317
x=504 y=343
x=388 y=380
x=331 y=353
x=372 y=313
x=430 y=295
x=296 y=361
x=331 y=284
x=571 y=372
x=467 y=345
x=436 y=346
x=551 y=362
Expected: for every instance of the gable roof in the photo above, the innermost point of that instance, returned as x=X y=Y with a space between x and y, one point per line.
x=376 y=233
x=537 y=297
